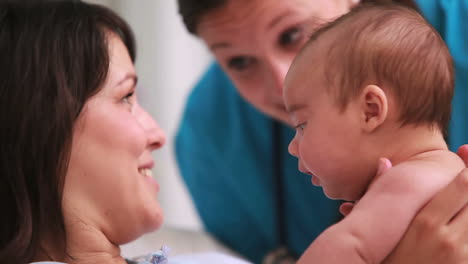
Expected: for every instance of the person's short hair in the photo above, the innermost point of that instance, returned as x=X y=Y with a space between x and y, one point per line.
x=54 y=57
x=193 y=10
x=395 y=48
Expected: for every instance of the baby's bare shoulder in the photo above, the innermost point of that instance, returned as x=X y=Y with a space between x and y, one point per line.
x=437 y=161
x=432 y=169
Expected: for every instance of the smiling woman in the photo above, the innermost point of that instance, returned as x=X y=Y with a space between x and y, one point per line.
x=120 y=161
x=75 y=161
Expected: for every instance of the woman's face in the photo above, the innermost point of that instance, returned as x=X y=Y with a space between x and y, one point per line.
x=255 y=41
x=109 y=186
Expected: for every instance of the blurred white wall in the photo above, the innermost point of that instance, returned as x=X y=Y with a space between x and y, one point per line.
x=169 y=62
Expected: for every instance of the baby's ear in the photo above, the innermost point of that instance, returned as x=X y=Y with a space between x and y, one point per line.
x=374 y=107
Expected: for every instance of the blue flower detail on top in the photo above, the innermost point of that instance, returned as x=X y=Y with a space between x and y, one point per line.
x=158 y=257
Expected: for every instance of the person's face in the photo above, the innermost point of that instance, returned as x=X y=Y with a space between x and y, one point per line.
x=327 y=141
x=109 y=185
x=255 y=41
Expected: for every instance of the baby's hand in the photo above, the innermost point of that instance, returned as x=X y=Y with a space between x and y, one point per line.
x=346 y=208
x=463 y=153
x=384 y=165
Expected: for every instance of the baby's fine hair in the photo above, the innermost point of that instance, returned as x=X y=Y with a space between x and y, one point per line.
x=395 y=48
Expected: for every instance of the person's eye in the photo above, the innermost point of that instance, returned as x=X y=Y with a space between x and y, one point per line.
x=300 y=127
x=240 y=63
x=127 y=98
x=291 y=37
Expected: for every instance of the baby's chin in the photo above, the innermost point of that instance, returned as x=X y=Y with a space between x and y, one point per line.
x=336 y=195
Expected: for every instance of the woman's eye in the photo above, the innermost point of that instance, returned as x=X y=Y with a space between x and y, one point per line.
x=291 y=36
x=126 y=98
x=240 y=63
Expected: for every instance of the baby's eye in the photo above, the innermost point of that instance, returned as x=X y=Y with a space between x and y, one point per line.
x=240 y=63
x=301 y=127
x=291 y=37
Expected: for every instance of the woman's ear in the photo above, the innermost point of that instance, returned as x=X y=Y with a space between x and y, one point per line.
x=374 y=107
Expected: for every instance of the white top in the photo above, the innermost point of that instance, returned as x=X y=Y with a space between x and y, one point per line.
x=47 y=262
x=206 y=258
x=198 y=258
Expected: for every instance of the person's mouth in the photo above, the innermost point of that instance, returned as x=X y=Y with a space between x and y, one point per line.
x=315 y=181
x=145 y=168
x=147 y=173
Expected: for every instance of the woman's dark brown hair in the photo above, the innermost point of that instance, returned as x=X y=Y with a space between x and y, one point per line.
x=53 y=58
x=192 y=10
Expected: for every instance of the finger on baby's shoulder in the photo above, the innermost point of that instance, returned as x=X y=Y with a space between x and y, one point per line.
x=463 y=153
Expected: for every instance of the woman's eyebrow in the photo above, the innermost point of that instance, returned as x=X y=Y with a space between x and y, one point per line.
x=126 y=77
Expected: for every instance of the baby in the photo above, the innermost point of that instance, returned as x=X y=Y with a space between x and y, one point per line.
x=376 y=82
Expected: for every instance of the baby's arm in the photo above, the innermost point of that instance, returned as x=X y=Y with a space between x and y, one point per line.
x=439 y=232
x=380 y=218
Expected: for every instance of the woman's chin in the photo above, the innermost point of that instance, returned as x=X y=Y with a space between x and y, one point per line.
x=153 y=219
x=148 y=221
x=156 y=224
x=150 y=214
x=150 y=225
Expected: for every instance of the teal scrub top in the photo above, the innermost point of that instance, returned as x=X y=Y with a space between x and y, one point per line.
x=450 y=18
x=224 y=152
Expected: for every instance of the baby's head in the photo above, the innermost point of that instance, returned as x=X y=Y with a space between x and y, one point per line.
x=377 y=67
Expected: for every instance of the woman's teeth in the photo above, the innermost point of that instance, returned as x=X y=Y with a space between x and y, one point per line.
x=146 y=172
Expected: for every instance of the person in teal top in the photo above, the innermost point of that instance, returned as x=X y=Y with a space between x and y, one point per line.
x=229 y=169
x=231 y=146
x=449 y=18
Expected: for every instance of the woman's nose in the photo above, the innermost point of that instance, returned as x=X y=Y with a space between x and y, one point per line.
x=155 y=135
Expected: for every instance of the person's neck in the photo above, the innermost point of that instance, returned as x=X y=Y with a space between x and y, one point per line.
x=409 y=142
x=85 y=245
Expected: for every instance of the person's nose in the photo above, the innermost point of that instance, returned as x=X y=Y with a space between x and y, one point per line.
x=292 y=148
x=156 y=137
x=277 y=68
